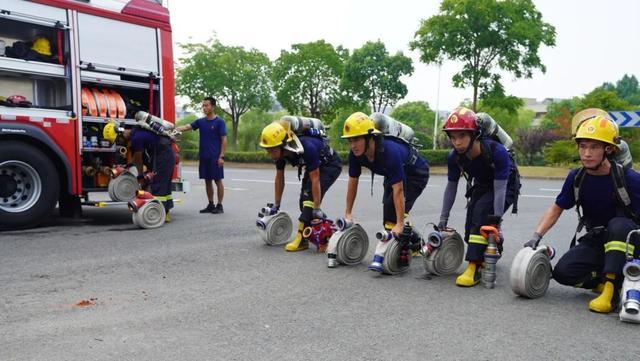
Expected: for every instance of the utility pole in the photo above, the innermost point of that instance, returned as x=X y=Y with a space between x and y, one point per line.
x=435 y=120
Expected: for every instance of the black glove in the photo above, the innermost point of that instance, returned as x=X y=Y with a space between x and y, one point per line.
x=534 y=241
x=318 y=214
x=442 y=225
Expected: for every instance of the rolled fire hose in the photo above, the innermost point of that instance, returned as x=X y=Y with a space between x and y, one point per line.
x=531 y=271
x=349 y=244
x=447 y=257
x=391 y=264
x=149 y=216
x=123 y=188
x=275 y=230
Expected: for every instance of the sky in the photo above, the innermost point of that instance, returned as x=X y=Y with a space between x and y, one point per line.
x=596 y=40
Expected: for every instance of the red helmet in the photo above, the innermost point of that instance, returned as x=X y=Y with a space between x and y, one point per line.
x=461 y=119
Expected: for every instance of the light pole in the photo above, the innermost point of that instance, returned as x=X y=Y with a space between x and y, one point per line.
x=435 y=120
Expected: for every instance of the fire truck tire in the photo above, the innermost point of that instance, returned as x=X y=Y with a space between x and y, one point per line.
x=69 y=206
x=29 y=184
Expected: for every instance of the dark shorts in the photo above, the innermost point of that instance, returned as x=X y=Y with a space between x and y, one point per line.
x=209 y=169
x=415 y=182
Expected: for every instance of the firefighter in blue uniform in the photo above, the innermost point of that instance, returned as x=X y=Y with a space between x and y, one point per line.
x=405 y=174
x=154 y=151
x=322 y=166
x=492 y=187
x=597 y=190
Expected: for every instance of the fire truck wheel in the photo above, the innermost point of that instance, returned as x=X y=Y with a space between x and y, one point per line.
x=69 y=206
x=29 y=184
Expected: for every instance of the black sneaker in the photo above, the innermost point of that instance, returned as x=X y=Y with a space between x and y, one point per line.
x=217 y=209
x=208 y=209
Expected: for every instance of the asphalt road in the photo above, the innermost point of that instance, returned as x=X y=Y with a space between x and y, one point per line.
x=205 y=287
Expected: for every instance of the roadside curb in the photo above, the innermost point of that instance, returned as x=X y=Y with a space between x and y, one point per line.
x=437 y=170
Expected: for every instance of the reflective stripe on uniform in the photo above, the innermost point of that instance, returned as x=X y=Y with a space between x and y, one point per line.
x=477 y=239
x=388 y=225
x=618 y=246
x=308 y=204
x=163 y=198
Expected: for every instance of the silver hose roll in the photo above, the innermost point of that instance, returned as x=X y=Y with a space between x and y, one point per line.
x=348 y=246
x=392 y=263
x=151 y=215
x=275 y=230
x=123 y=188
x=531 y=271
x=447 y=258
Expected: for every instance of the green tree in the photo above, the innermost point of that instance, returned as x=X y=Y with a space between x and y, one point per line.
x=604 y=99
x=627 y=89
x=238 y=77
x=558 y=117
x=251 y=125
x=307 y=78
x=487 y=36
x=373 y=75
x=419 y=117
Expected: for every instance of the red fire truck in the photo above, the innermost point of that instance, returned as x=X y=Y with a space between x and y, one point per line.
x=66 y=68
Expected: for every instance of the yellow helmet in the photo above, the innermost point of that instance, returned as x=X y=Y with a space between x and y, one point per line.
x=42 y=46
x=110 y=131
x=358 y=124
x=585 y=114
x=274 y=135
x=599 y=128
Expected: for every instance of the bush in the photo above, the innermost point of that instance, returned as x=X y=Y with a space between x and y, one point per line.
x=434 y=157
x=561 y=152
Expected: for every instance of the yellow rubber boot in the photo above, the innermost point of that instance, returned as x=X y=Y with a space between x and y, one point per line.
x=599 y=288
x=299 y=243
x=470 y=277
x=604 y=303
x=167 y=218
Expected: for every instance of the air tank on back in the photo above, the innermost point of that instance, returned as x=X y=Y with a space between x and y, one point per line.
x=389 y=126
x=303 y=125
x=623 y=155
x=492 y=129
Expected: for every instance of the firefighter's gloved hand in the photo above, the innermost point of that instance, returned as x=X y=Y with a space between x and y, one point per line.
x=141 y=180
x=442 y=225
x=318 y=214
x=534 y=241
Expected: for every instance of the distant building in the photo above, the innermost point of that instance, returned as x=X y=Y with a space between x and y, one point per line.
x=540 y=108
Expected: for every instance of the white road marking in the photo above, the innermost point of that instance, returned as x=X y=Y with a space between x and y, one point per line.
x=535 y=196
x=260 y=181
x=550 y=189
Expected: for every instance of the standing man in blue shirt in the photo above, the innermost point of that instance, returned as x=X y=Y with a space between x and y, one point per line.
x=606 y=206
x=405 y=174
x=213 y=144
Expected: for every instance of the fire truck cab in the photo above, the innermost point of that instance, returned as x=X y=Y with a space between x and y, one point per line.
x=66 y=68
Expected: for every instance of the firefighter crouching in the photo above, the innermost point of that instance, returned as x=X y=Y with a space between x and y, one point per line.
x=607 y=198
x=161 y=159
x=492 y=186
x=321 y=164
x=405 y=175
